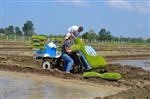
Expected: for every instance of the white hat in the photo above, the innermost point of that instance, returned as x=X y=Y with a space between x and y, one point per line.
x=67 y=35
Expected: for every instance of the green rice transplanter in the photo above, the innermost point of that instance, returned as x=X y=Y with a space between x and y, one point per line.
x=94 y=61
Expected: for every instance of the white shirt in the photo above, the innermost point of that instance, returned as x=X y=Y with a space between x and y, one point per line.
x=73 y=29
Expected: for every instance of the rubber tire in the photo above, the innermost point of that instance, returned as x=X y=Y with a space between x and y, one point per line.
x=46 y=65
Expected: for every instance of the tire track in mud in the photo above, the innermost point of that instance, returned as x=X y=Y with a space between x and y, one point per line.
x=130 y=75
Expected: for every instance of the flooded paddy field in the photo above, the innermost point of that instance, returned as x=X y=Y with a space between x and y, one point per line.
x=143 y=63
x=31 y=86
x=21 y=76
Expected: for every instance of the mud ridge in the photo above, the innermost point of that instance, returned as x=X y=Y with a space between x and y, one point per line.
x=129 y=79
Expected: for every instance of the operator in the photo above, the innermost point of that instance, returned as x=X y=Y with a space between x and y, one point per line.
x=73 y=33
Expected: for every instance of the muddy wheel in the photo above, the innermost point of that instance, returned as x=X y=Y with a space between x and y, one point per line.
x=46 y=65
x=77 y=69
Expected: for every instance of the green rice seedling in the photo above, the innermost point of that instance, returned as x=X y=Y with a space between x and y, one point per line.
x=91 y=74
x=107 y=76
x=37 y=47
x=58 y=39
x=38 y=43
x=111 y=75
x=39 y=37
x=75 y=47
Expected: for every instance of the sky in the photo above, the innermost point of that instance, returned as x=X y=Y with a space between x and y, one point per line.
x=128 y=18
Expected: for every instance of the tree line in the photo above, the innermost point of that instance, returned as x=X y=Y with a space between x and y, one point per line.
x=26 y=30
x=104 y=35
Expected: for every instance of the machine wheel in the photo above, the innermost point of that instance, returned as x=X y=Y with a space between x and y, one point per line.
x=46 y=65
x=77 y=69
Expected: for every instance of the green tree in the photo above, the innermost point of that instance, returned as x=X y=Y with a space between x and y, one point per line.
x=18 y=30
x=104 y=35
x=28 y=28
x=115 y=38
x=90 y=35
x=2 y=30
x=148 y=40
x=9 y=30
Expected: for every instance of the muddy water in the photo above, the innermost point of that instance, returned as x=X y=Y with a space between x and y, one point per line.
x=145 y=63
x=32 y=86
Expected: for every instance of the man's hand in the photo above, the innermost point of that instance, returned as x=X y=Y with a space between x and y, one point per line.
x=72 y=35
x=68 y=50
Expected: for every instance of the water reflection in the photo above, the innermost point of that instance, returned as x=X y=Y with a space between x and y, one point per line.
x=14 y=86
x=145 y=64
x=27 y=89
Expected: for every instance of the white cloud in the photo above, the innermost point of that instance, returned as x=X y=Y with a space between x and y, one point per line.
x=121 y=4
x=80 y=3
x=140 y=6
